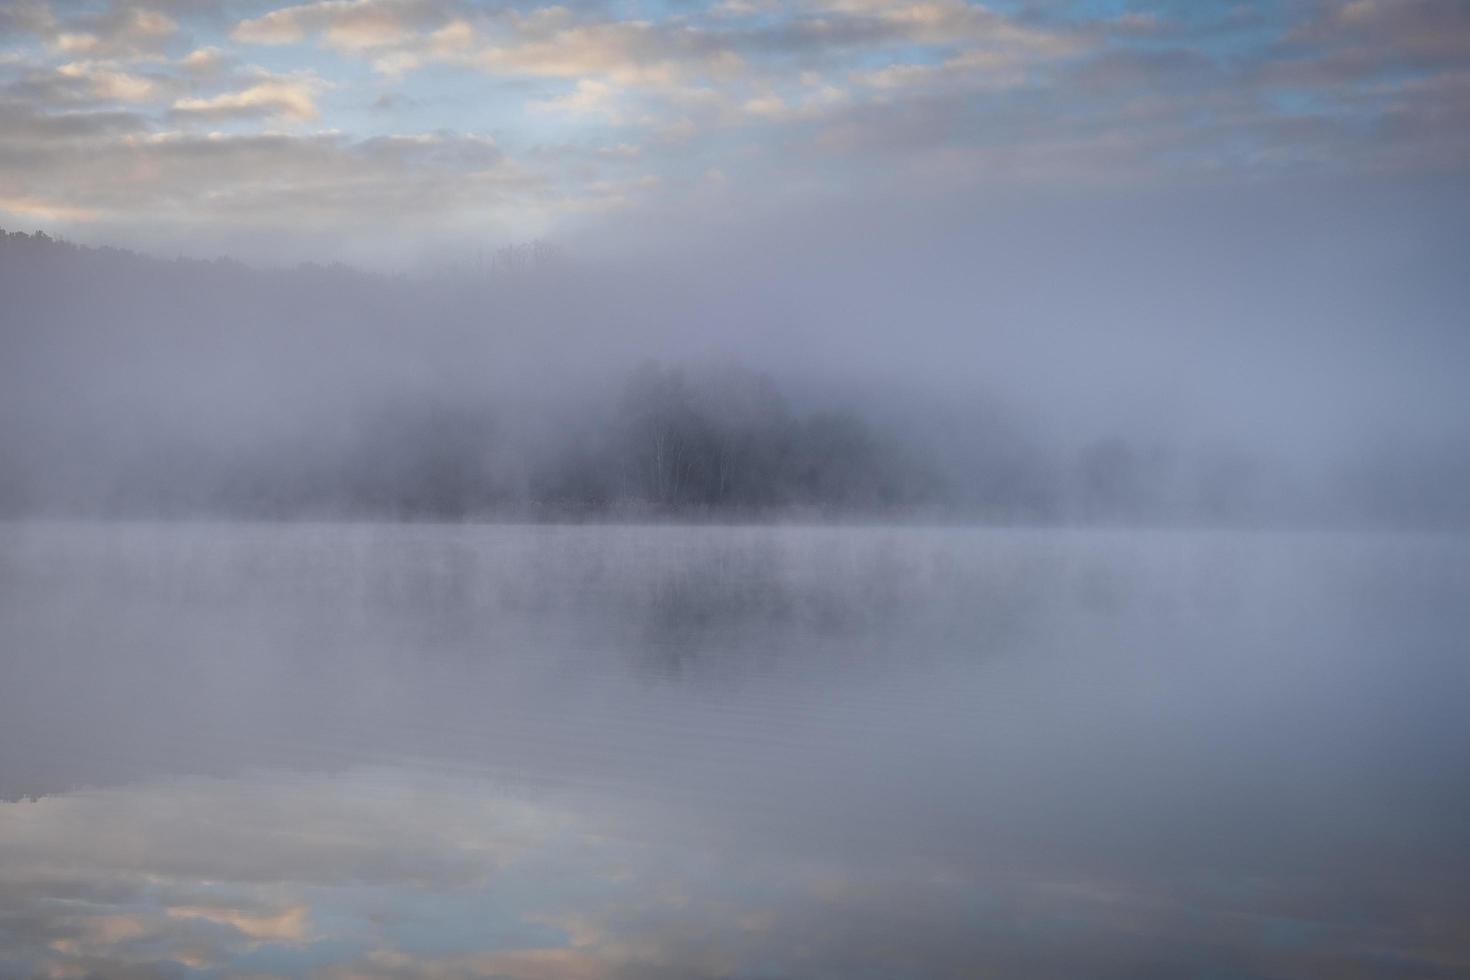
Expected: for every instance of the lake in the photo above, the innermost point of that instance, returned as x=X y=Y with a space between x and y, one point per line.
x=343 y=750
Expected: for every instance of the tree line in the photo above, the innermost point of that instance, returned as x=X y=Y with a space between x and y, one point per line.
x=137 y=386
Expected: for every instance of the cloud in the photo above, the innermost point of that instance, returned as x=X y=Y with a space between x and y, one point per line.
x=576 y=43
x=1417 y=33
x=36 y=136
x=73 y=84
x=207 y=62
x=49 y=211
x=276 y=98
x=551 y=43
x=620 y=151
x=781 y=98
x=590 y=96
x=182 y=182
x=392 y=101
x=111 y=86
x=283 y=26
x=120 y=31
x=26 y=18
x=349 y=25
x=804 y=104
x=287 y=925
x=956 y=22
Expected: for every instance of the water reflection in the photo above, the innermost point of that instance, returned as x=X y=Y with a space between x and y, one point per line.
x=398 y=873
x=624 y=752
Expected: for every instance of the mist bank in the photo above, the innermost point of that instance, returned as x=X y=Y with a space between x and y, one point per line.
x=529 y=386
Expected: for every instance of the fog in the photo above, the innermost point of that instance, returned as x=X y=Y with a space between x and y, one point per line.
x=900 y=578
x=1231 y=355
x=734 y=490
x=616 y=751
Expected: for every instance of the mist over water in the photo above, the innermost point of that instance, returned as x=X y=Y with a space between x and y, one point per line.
x=1016 y=599
x=376 y=750
x=826 y=490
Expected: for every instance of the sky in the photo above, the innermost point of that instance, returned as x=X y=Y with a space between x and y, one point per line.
x=384 y=131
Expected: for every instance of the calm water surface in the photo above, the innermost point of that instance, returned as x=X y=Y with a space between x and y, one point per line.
x=586 y=752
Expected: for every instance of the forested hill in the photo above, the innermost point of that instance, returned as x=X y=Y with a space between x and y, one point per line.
x=142 y=386
x=522 y=388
